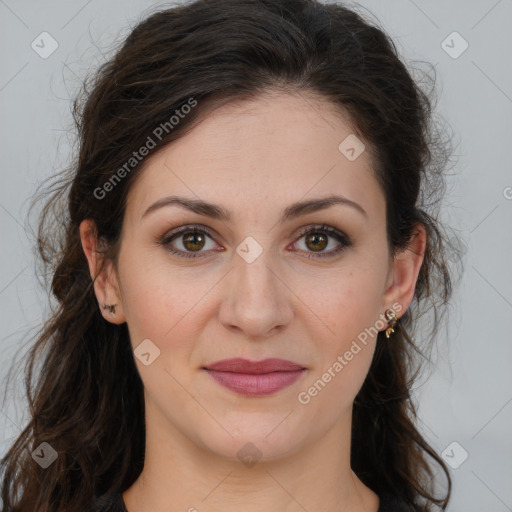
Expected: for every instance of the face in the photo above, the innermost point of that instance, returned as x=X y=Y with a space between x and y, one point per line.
x=309 y=287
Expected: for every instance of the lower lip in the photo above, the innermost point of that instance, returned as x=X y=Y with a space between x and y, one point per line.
x=256 y=384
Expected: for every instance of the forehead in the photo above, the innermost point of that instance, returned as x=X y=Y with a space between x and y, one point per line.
x=255 y=154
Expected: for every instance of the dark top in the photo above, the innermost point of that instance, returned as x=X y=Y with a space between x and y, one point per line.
x=115 y=503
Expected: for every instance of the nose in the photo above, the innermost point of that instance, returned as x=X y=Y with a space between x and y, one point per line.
x=258 y=301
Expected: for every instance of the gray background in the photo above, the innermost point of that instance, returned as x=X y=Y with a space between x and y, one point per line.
x=468 y=397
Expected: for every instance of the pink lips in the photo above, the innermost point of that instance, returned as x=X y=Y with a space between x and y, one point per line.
x=255 y=378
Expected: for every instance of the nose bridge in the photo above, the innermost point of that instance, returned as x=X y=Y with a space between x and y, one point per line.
x=258 y=300
x=255 y=274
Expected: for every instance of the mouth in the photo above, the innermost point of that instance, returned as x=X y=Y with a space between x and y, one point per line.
x=255 y=378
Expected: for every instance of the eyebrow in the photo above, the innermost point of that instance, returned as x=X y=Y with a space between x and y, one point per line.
x=217 y=212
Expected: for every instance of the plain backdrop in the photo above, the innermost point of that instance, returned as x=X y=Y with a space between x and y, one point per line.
x=465 y=405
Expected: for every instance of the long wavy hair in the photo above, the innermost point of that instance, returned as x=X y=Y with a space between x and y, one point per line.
x=87 y=400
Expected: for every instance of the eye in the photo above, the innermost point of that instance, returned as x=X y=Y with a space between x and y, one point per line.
x=317 y=239
x=192 y=240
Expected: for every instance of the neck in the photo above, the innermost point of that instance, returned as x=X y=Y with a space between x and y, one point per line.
x=179 y=474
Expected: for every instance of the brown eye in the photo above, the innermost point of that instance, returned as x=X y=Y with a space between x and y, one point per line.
x=193 y=241
x=317 y=239
x=190 y=242
x=316 y=242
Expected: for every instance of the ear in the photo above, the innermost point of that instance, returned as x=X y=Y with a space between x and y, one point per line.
x=404 y=272
x=106 y=285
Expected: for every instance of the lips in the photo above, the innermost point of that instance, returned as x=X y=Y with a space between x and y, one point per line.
x=255 y=378
x=239 y=365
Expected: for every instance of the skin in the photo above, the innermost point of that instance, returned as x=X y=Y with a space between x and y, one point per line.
x=254 y=158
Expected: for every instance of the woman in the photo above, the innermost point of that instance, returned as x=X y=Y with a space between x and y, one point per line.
x=244 y=246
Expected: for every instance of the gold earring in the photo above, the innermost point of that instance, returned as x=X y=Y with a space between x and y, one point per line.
x=111 y=308
x=392 y=319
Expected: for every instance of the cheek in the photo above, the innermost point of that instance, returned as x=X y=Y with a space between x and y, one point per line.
x=150 y=307
x=345 y=357
x=152 y=301
x=346 y=301
x=167 y=306
x=348 y=307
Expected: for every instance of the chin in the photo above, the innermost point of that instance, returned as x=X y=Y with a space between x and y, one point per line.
x=250 y=441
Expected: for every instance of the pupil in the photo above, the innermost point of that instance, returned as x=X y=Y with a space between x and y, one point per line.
x=193 y=239
x=316 y=238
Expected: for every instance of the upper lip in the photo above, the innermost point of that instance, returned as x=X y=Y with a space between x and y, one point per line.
x=239 y=365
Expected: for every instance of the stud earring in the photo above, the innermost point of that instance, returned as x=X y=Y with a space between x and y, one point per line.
x=111 y=308
x=392 y=319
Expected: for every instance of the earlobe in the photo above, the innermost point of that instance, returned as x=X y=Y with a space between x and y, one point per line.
x=106 y=287
x=405 y=270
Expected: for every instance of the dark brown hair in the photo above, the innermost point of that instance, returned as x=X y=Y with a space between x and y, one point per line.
x=87 y=402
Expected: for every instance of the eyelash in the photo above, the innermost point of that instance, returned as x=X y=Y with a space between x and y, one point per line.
x=198 y=229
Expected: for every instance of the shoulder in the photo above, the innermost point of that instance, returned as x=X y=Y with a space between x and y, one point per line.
x=391 y=503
